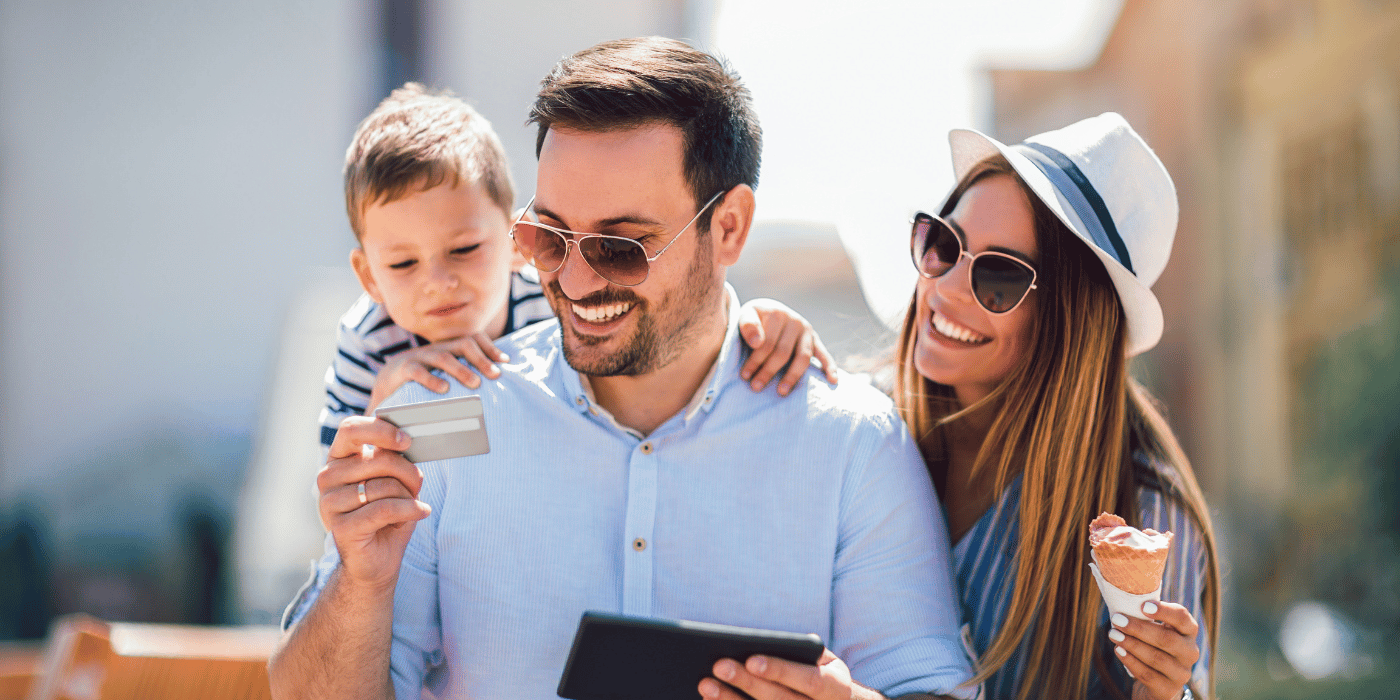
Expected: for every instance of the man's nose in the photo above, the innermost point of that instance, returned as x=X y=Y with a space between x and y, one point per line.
x=576 y=278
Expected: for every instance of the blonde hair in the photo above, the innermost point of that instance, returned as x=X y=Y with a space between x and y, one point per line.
x=1068 y=418
x=416 y=140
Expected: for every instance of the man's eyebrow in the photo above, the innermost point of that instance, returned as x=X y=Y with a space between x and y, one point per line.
x=605 y=223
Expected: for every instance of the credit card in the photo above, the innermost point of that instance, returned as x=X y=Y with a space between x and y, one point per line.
x=440 y=429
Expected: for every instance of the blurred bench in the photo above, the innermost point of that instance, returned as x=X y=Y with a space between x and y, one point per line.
x=88 y=659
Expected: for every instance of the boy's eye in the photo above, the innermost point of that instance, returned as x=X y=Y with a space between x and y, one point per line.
x=466 y=249
x=404 y=265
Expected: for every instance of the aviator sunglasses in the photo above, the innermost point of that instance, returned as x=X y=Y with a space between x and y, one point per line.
x=619 y=260
x=999 y=281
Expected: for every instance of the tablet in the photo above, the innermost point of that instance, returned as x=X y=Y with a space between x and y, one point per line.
x=440 y=429
x=615 y=657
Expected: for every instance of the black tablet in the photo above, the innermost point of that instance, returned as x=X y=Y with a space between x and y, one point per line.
x=620 y=658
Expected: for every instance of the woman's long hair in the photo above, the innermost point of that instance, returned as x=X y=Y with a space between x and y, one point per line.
x=1068 y=419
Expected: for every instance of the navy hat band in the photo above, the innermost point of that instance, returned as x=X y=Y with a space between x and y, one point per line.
x=1076 y=188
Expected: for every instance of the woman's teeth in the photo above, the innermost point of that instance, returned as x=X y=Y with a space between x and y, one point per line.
x=952 y=330
x=601 y=314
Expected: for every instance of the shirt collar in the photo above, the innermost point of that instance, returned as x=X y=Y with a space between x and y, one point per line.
x=726 y=366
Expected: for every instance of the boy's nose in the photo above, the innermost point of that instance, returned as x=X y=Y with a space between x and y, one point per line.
x=442 y=279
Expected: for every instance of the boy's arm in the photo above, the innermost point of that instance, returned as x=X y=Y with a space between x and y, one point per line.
x=779 y=337
x=417 y=365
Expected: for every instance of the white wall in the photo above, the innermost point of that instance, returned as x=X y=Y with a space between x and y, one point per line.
x=168 y=171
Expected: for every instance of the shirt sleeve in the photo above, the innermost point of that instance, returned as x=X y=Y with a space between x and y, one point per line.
x=895 y=619
x=350 y=377
x=1185 y=574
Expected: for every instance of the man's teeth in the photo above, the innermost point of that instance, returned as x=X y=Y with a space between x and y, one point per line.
x=956 y=332
x=601 y=314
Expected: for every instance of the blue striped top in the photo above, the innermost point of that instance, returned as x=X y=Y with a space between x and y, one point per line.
x=984 y=563
x=368 y=338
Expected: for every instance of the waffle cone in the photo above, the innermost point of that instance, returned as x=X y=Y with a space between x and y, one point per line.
x=1132 y=570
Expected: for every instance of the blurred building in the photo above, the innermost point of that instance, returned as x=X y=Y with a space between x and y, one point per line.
x=1279 y=121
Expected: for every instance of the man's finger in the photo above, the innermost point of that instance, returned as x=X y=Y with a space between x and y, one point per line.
x=344 y=499
x=357 y=431
x=363 y=522
x=736 y=675
x=804 y=679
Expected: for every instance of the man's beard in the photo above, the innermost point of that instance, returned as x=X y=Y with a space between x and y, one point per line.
x=657 y=339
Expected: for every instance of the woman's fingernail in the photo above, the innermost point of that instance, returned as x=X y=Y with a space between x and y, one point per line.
x=1119 y=620
x=1150 y=608
x=1116 y=636
x=1119 y=651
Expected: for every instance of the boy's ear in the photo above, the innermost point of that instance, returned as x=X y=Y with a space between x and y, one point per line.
x=517 y=259
x=360 y=263
x=730 y=223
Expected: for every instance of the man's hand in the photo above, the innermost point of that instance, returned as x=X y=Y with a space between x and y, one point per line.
x=370 y=531
x=417 y=365
x=767 y=678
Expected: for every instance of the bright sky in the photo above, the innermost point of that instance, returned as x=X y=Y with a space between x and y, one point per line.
x=856 y=100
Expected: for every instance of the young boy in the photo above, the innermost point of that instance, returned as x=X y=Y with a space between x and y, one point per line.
x=429 y=196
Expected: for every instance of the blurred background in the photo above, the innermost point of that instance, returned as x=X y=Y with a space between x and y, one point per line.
x=173 y=256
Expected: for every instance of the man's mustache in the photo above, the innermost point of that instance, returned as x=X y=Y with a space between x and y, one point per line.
x=601 y=297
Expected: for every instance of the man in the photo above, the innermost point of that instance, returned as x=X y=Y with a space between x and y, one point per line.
x=630 y=469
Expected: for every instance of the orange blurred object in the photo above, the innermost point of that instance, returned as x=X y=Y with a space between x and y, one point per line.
x=88 y=659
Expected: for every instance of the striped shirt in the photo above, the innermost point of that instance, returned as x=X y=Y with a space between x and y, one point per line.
x=984 y=563
x=810 y=513
x=368 y=338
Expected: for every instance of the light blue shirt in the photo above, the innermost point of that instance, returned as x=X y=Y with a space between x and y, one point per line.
x=811 y=513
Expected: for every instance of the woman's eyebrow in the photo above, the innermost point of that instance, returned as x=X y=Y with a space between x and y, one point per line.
x=1000 y=249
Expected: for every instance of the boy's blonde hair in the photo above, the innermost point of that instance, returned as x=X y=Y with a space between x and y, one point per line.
x=416 y=140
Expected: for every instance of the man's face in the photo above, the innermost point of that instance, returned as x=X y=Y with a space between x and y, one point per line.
x=626 y=183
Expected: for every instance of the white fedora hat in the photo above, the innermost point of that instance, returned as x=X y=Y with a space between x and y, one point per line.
x=1104 y=182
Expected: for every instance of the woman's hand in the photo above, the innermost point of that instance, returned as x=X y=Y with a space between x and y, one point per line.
x=1158 y=656
x=780 y=338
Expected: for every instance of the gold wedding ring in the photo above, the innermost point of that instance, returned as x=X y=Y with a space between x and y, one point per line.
x=361 y=490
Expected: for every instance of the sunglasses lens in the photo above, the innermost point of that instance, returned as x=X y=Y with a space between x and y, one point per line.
x=617 y=260
x=1000 y=282
x=543 y=247
x=933 y=245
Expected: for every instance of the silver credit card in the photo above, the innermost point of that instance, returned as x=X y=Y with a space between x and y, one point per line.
x=440 y=429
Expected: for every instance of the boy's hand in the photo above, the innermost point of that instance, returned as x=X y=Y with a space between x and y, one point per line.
x=369 y=499
x=779 y=337
x=417 y=365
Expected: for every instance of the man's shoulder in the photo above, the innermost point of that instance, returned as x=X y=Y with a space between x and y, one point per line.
x=533 y=353
x=853 y=399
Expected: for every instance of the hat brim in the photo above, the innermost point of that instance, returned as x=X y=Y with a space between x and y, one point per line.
x=1140 y=305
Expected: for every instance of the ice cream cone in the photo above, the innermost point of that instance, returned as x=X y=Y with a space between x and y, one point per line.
x=1130 y=560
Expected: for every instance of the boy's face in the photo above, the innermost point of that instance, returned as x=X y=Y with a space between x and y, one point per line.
x=439 y=261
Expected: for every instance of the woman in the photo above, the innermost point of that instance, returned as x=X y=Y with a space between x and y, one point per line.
x=1013 y=376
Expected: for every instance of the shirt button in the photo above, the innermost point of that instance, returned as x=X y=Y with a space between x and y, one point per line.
x=578 y=400
x=647 y=448
x=639 y=544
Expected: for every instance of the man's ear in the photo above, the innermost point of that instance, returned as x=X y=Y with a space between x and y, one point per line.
x=360 y=263
x=730 y=223
x=517 y=259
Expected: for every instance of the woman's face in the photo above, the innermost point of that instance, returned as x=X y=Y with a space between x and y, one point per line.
x=959 y=343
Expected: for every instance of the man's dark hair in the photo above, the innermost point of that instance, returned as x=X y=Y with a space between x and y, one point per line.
x=628 y=83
